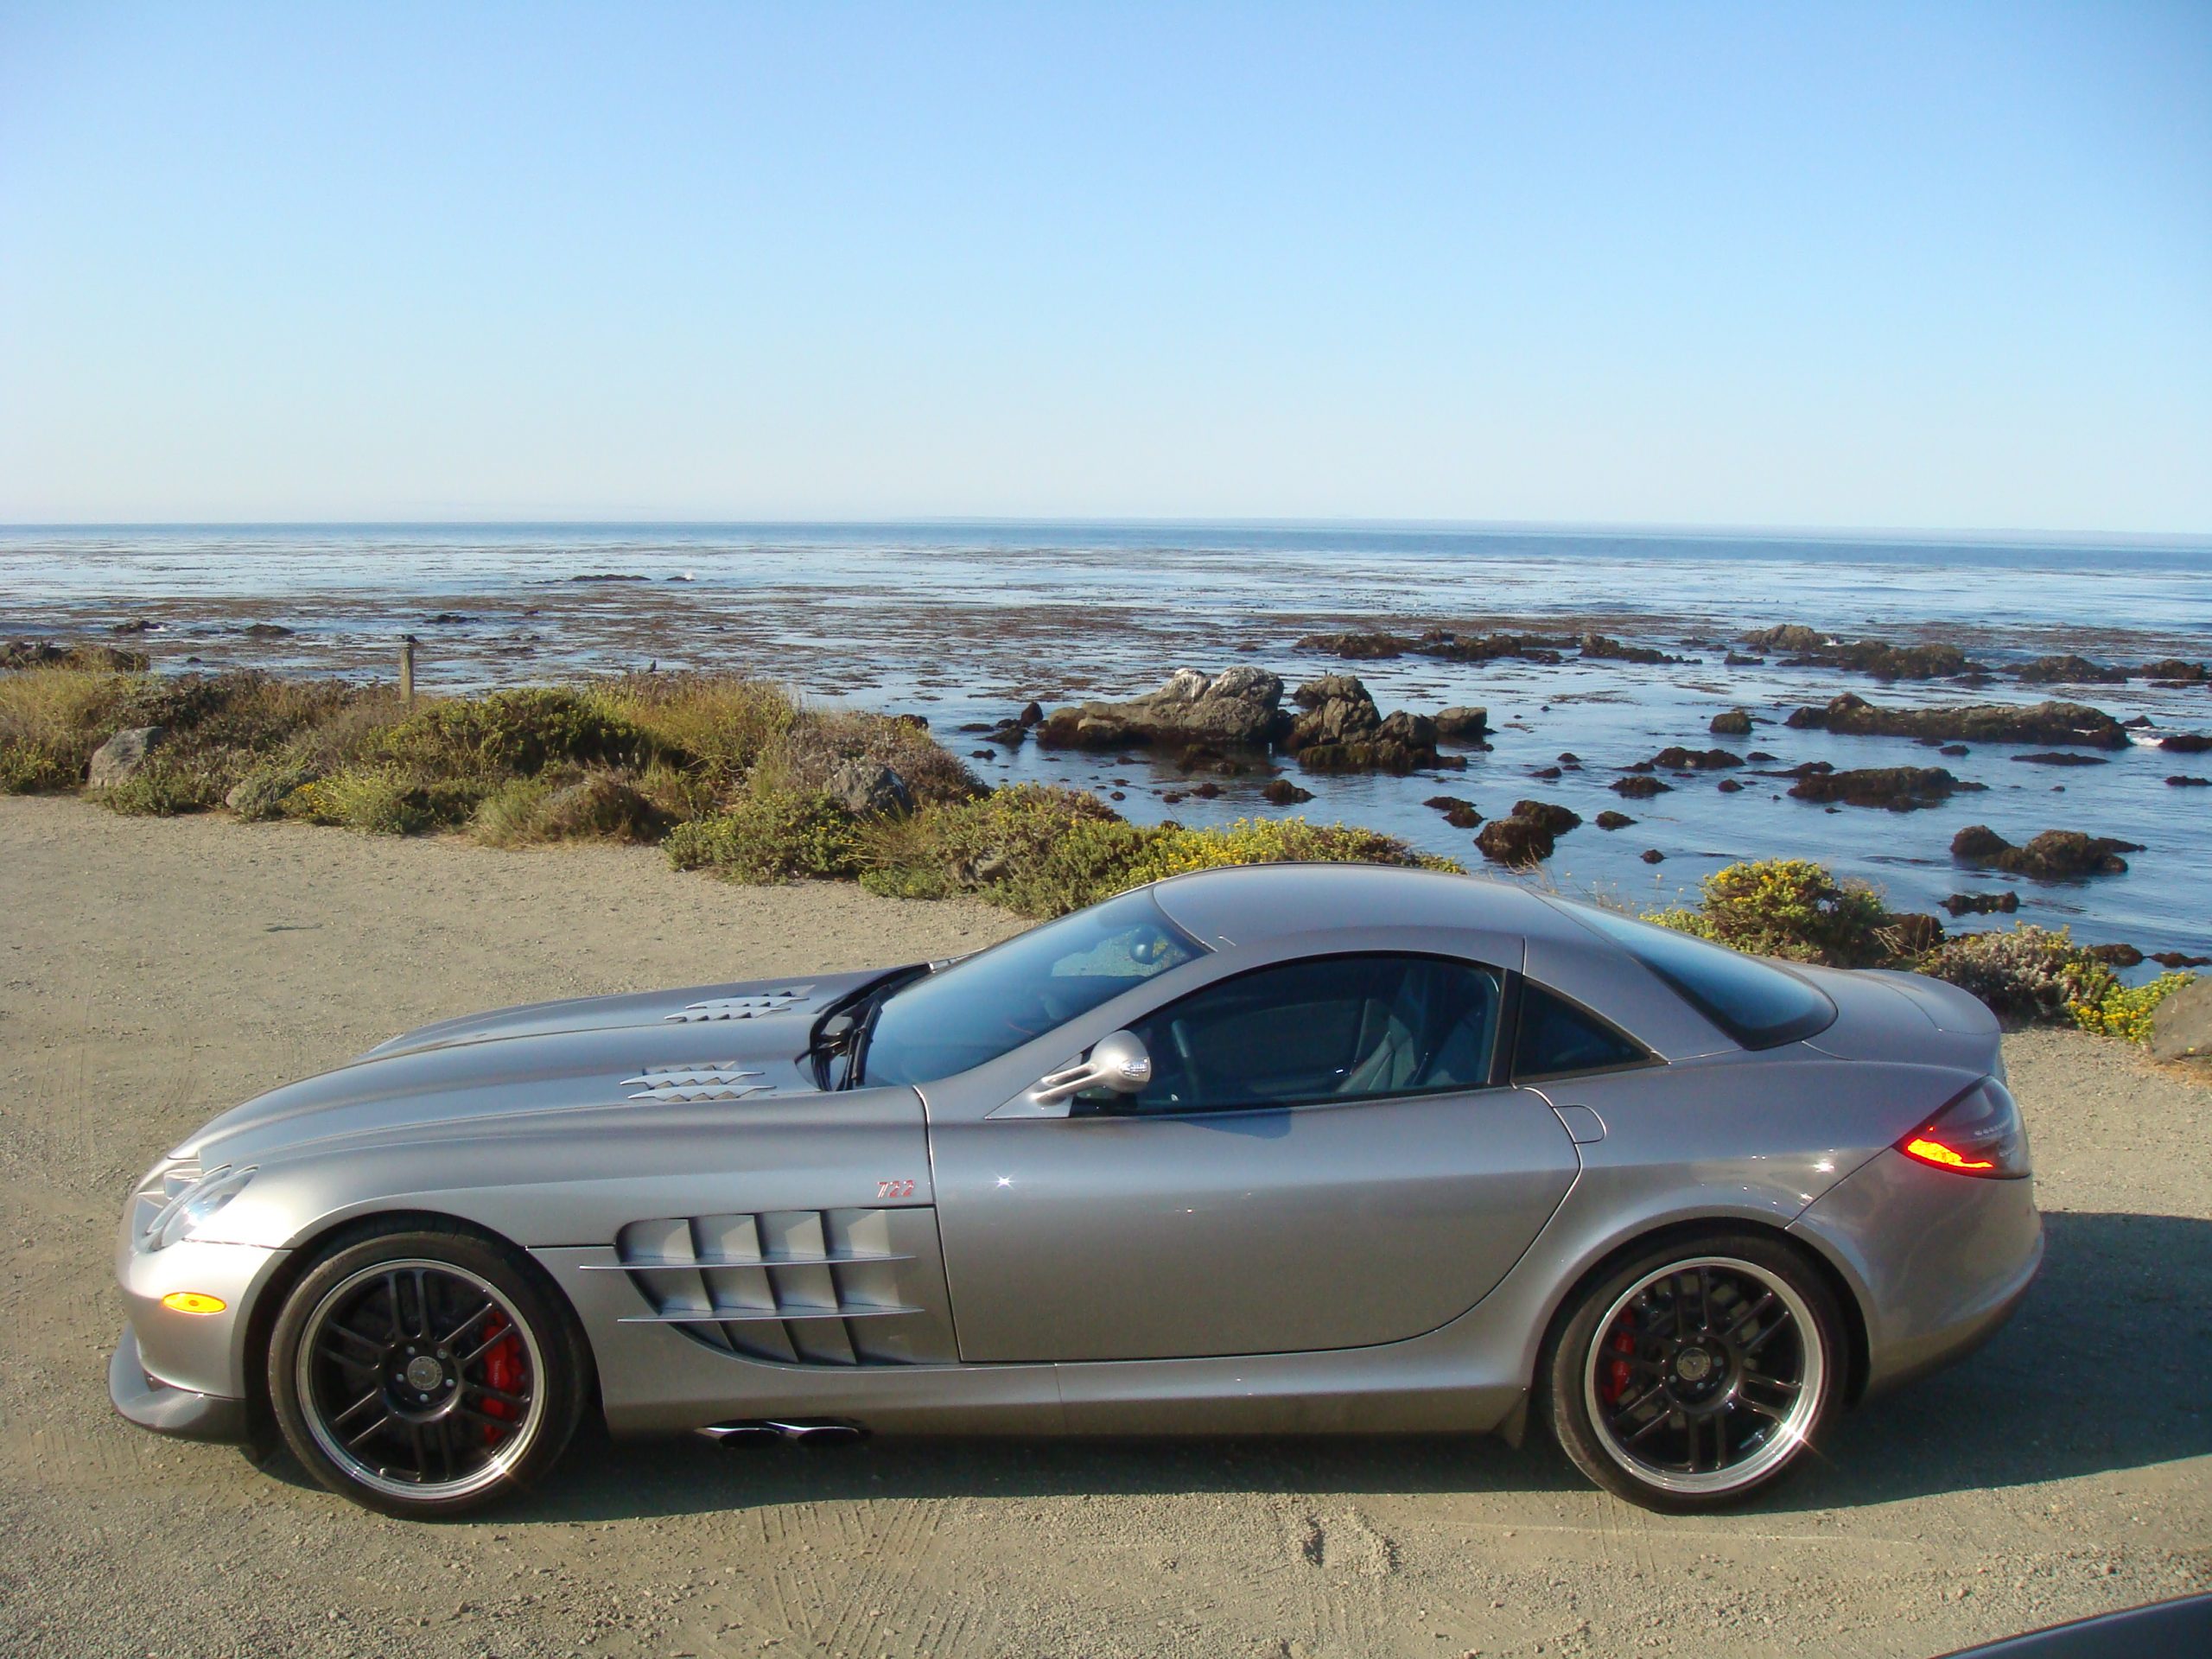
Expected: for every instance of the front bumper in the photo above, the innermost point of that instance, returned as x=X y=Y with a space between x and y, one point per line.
x=186 y=1373
x=1939 y=1260
x=154 y=1404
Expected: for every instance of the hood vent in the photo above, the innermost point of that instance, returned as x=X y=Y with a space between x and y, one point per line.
x=716 y=1080
x=740 y=1007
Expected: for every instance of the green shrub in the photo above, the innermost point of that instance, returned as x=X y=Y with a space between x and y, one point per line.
x=770 y=837
x=2126 y=1011
x=384 y=801
x=52 y=718
x=239 y=713
x=260 y=793
x=2029 y=972
x=716 y=725
x=30 y=765
x=1789 y=907
x=527 y=812
x=512 y=734
x=801 y=758
x=164 y=786
x=1043 y=852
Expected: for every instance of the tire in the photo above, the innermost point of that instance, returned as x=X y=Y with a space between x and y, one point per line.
x=1690 y=1375
x=426 y=1373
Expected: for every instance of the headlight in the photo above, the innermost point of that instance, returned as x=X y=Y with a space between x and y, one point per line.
x=193 y=1204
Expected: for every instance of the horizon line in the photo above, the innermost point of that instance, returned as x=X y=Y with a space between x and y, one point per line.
x=2189 y=540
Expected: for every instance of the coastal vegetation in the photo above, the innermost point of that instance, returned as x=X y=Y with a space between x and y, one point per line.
x=736 y=777
x=1794 y=909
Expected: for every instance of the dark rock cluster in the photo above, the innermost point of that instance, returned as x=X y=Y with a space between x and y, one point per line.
x=1239 y=708
x=2073 y=723
x=1338 y=729
x=1677 y=759
x=1803 y=647
x=1528 y=836
x=1900 y=789
x=1983 y=904
x=2055 y=855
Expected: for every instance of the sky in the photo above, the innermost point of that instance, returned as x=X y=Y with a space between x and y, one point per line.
x=1932 y=266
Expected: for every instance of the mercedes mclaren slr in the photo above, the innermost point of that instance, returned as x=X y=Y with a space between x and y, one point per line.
x=1279 y=1149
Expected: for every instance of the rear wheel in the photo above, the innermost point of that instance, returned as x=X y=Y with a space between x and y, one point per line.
x=425 y=1373
x=1696 y=1374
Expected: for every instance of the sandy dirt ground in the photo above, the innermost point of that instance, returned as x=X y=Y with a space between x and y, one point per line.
x=153 y=973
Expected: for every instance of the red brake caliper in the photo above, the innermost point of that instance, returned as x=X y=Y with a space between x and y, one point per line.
x=1622 y=1343
x=502 y=1370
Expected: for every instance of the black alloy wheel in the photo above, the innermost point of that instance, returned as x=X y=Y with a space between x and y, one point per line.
x=425 y=1373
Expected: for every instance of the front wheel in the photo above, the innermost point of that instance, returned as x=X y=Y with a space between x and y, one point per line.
x=424 y=1373
x=1696 y=1374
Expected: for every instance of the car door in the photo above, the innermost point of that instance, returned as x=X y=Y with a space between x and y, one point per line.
x=1321 y=1160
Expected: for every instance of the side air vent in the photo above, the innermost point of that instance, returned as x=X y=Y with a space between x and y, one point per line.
x=716 y=1080
x=740 y=1008
x=804 y=1286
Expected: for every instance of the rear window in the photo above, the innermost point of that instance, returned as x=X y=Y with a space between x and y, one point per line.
x=1759 y=1005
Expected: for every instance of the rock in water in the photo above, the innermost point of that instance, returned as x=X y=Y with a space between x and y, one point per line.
x=122 y=755
x=1731 y=722
x=2069 y=670
x=2181 y=1029
x=1912 y=932
x=1462 y=725
x=1239 y=706
x=1678 y=758
x=1611 y=820
x=1983 y=904
x=1979 y=722
x=2053 y=856
x=1518 y=842
x=1556 y=820
x=1339 y=729
x=1901 y=789
x=867 y=789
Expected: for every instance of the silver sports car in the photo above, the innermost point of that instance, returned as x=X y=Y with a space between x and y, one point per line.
x=1281 y=1149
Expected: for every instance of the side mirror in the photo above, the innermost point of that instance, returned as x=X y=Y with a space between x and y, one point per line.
x=1117 y=1061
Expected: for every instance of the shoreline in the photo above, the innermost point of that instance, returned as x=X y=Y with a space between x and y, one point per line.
x=1662 y=804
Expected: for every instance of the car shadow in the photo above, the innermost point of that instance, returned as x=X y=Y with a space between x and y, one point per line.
x=2102 y=1368
x=2108 y=1366
x=603 y=1481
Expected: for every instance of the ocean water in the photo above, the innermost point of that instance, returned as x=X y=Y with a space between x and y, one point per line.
x=964 y=622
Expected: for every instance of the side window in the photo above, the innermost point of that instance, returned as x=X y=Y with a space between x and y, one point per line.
x=1556 y=1037
x=1327 y=1028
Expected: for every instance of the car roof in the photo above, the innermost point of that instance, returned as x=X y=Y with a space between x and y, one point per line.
x=1253 y=904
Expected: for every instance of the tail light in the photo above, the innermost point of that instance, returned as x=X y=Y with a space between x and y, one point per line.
x=1978 y=1134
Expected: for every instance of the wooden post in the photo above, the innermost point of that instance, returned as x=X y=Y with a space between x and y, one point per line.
x=406 y=668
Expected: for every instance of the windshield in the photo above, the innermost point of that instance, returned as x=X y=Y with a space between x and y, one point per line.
x=1758 y=1004
x=990 y=1004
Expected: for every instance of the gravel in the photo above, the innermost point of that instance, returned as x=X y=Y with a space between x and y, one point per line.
x=157 y=971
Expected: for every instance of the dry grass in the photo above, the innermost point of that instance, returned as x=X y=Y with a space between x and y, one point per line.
x=720 y=724
x=51 y=719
